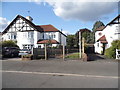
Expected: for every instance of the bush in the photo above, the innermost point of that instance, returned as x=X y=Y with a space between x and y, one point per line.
x=111 y=52
x=9 y=43
x=28 y=56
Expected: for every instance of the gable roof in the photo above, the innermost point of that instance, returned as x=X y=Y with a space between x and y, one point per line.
x=84 y=30
x=102 y=39
x=112 y=22
x=100 y=28
x=49 y=28
x=47 y=41
x=40 y=28
x=26 y=20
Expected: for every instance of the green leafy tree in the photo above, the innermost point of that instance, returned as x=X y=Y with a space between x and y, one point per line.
x=95 y=26
x=86 y=35
x=70 y=41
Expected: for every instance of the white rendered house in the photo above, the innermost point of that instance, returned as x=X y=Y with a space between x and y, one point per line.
x=28 y=35
x=104 y=36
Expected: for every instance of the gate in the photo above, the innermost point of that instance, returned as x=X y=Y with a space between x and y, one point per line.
x=117 y=53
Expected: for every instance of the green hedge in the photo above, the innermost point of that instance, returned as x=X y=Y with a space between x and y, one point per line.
x=110 y=52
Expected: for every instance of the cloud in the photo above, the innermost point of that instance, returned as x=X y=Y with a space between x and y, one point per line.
x=3 y=23
x=83 y=10
x=65 y=32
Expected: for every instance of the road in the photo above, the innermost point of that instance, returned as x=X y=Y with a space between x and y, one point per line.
x=59 y=74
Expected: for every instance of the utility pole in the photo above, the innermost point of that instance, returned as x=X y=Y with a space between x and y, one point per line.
x=80 y=55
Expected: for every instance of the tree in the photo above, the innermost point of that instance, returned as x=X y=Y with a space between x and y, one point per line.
x=70 y=41
x=86 y=35
x=95 y=26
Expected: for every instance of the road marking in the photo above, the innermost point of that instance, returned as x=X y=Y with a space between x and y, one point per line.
x=60 y=74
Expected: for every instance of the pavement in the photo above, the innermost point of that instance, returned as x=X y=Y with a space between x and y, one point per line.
x=56 y=73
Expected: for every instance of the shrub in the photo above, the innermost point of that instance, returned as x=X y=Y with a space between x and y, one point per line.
x=27 y=56
x=111 y=52
x=9 y=43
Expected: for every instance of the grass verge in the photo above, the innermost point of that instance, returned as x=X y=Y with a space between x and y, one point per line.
x=72 y=56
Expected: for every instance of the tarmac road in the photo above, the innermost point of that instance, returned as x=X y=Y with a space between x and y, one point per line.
x=59 y=74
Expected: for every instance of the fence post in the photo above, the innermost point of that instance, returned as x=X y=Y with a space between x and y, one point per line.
x=63 y=52
x=32 y=52
x=45 y=52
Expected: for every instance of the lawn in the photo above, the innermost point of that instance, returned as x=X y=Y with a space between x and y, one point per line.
x=73 y=56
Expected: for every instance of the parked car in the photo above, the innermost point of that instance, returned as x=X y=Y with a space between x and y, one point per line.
x=10 y=51
x=24 y=52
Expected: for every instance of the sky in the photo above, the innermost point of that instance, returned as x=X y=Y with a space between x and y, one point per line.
x=66 y=16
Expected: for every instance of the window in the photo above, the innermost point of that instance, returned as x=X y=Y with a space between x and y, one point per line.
x=14 y=36
x=27 y=46
x=30 y=34
x=9 y=36
x=54 y=36
x=98 y=44
x=24 y=34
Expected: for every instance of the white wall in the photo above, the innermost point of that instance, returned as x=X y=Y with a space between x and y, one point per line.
x=98 y=47
x=111 y=32
x=97 y=36
x=23 y=38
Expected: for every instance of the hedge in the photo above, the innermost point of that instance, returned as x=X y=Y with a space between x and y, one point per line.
x=111 y=52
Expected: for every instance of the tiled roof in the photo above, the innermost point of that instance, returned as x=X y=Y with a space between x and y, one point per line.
x=47 y=28
x=84 y=30
x=48 y=41
x=103 y=39
x=100 y=28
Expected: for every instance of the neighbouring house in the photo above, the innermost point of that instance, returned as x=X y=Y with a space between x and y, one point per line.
x=105 y=35
x=28 y=35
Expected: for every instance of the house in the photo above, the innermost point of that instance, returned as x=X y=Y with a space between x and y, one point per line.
x=105 y=35
x=28 y=35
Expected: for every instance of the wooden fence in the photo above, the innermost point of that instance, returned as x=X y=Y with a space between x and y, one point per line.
x=51 y=52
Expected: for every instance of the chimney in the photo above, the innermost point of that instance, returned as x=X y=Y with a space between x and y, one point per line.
x=29 y=18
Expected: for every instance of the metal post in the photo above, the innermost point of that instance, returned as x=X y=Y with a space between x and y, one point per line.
x=63 y=52
x=45 y=52
x=80 y=44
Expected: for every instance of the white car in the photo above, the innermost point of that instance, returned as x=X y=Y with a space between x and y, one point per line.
x=24 y=52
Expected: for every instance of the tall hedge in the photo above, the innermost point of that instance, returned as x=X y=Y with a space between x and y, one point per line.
x=9 y=43
x=111 y=52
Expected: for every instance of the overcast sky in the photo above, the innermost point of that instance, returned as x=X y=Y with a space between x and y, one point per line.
x=69 y=16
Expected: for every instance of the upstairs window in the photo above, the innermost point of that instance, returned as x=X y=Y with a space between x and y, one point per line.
x=14 y=36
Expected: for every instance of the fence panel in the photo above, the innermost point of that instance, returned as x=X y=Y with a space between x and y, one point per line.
x=54 y=52
x=38 y=53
